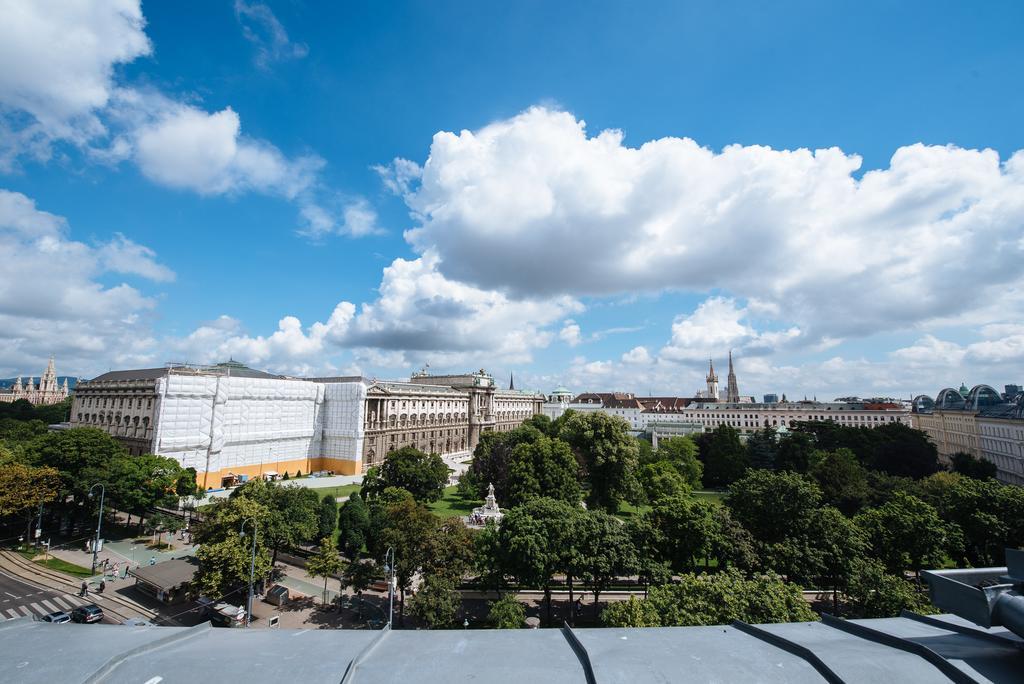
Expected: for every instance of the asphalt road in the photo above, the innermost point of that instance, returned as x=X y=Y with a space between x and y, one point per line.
x=19 y=599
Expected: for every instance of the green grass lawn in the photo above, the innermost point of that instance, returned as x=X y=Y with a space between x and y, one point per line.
x=451 y=505
x=342 y=491
x=712 y=496
x=56 y=564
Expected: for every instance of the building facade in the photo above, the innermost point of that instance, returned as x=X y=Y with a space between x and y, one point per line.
x=229 y=422
x=977 y=421
x=48 y=391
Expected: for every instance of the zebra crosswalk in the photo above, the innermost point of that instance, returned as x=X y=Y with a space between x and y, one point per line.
x=34 y=606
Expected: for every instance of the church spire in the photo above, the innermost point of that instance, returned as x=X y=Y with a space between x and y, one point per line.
x=712 y=381
x=732 y=388
x=511 y=382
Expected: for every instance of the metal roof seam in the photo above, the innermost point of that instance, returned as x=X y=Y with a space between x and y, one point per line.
x=114 y=661
x=944 y=666
x=792 y=647
x=350 y=671
x=962 y=629
x=581 y=652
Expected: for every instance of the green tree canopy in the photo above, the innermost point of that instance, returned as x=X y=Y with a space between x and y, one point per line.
x=224 y=554
x=907 y=533
x=436 y=604
x=294 y=512
x=609 y=455
x=492 y=459
x=325 y=562
x=971 y=466
x=353 y=526
x=724 y=456
x=328 y=516
x=685 y=531
x=843 y=481
x=543 y=467
x=794 y=452
x=422 y=475
x=714 y=599
x=660 y=480
x=901 y=450
x=681 y=452
x=874 y=593
x=506 y=613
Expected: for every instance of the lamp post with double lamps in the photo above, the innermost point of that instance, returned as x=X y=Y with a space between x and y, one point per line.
x=99 y=522
x=252 y=566
x=389 y=567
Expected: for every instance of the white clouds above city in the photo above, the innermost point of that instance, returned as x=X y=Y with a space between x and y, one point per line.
x=521 y=236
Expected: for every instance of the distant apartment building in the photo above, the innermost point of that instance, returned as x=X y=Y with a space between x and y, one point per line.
x=977 y=421
x=229 y=422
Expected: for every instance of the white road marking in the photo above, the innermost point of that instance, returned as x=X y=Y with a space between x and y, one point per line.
x=61 y=603
x=13 y=613
x=25 y=610
x=73 y=600
x=49 y=606
x=39 y=609
x=11 y=595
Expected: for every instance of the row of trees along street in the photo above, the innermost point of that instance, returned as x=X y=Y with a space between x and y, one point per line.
x=56 y=470
x=588 y=509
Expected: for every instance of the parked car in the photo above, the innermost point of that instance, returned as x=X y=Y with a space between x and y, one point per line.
x=87 y=614
x=57 y=618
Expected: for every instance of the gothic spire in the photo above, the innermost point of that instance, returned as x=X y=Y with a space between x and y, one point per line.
x=511 y=382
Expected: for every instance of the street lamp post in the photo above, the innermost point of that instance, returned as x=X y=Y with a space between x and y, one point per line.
x=252 y=566
x=99 y=522
x=389 y=565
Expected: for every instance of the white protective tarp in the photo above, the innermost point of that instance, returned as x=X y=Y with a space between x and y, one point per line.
x=342 y=420
x=213 y=423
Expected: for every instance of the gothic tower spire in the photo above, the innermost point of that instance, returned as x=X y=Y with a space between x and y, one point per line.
x=511 y=382
x=712 y=381
x=732 y=388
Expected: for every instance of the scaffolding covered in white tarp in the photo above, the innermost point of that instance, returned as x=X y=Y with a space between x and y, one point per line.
x=216 y=422
x=342 y=419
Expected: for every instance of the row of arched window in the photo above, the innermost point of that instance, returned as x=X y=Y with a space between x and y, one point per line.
x=115 y=420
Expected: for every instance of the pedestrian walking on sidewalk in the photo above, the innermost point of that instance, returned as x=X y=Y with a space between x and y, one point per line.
x=85 y=589
x=103 y=585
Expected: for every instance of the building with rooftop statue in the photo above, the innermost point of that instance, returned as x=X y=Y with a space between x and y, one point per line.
x=48 y=391
x=230 y=422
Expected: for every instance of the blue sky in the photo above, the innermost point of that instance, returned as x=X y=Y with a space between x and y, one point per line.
x=194 y=180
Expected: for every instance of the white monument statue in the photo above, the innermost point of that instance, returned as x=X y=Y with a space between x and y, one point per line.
x=489 y=511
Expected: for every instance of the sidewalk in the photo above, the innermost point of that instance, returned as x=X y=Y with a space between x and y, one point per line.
x=119 y=551
x=310 y=482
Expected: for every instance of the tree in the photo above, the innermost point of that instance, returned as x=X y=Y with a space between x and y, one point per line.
x=651 y=568
x=538 y=541
x=684 y=530
x=716 y=599
x=606 y=551
x=762 y=448
x=976 y=508
x=681 y=452
x=451 y=552
x=969 y=465
x=408 y=527
x=609 y=455
x=294 y=512
x=325 y=562
x=436 y=603
x=353 y=525
x=360 y=574
x=137 y=484
x=544 y=467
x=632 y=612
x=778 y=510
x=841 y=545
x=843 y=481
x=82 y=456
x=492 y=459
x=506 y=613
x=328 y=516
x=23 y=488
x=725 y=459
x=907 y=533
x=874 y=593
x=487 y=557
x=794 y=452
x=901 y=450
x=224 y=553
x=659 y=481
x=422 y=475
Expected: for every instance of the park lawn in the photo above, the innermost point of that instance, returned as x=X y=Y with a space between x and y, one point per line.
x=55 y=564
x=338 y=491
x=451 y=505
x=710 y=495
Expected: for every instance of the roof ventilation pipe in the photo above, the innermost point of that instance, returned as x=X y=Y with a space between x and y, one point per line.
x=985 y=596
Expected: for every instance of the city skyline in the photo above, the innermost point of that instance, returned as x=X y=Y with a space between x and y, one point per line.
x=337 y=190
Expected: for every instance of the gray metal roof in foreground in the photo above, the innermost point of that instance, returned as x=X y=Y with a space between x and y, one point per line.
x=892 y=650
